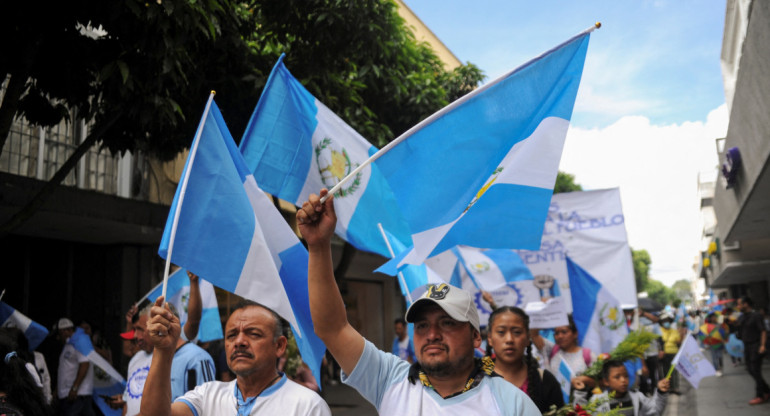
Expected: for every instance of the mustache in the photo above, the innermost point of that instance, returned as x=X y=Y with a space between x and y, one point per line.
x=434 y=344
x=241 y=352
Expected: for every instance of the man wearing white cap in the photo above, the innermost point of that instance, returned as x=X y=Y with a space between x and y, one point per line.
x=446 y=378
x=75 y=383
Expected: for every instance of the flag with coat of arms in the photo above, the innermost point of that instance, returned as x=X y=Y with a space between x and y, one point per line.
x=598 y=315
x=295 y=146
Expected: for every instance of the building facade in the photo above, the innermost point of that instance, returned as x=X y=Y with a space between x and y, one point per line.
x=738 y=257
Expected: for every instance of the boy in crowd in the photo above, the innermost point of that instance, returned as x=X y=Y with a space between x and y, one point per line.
x=629 y=403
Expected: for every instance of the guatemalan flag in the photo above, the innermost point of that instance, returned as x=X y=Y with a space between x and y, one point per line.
x=107 y=380
x=178 y=293
x=500 y=272
x=413 y=279
x=598 y=315
x=480 y=172
x=295 y=146
x=564 y=377
x=230 y=234
x=10 y=317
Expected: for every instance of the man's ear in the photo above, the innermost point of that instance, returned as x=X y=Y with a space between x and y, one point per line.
x=476 y=337
x=281 y=344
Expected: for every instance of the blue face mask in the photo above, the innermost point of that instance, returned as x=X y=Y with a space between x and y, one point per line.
x=667 y=325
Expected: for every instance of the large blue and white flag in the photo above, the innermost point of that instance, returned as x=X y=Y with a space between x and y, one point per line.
x=480 y=172
x=499 y=272
x=691 y=363
x=230 y=234
x=107 y=380
x=178 y=294
x=295 y=146
x=10 y=317
x=598 y=315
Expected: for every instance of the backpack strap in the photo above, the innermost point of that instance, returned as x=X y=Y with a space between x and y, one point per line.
x=554 y=350
x=587 y=356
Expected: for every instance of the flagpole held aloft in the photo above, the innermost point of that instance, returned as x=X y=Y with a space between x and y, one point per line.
x=392 y=254
x=445 y=110
x=186 y=178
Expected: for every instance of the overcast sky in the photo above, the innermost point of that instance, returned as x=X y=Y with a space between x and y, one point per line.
x=649 y=108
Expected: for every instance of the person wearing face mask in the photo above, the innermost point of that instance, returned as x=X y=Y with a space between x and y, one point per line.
x=671 y=340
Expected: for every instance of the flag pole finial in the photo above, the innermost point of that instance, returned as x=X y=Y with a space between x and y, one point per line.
x=215 y=93
x=598 y=25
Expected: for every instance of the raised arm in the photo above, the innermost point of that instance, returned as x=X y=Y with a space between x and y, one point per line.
x=164 y=332
x=194 y=308
x=316 y=223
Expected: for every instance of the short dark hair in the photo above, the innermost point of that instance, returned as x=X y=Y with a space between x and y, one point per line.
x=747 y=300
x=610 y=364
x=278 y=330
x=401 y=321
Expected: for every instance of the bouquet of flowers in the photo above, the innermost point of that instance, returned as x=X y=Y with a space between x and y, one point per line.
x=578 y=410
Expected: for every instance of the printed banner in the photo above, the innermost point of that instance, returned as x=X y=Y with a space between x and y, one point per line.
x=589 y=226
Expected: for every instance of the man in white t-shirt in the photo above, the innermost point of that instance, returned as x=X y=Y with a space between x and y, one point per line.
x=446 y=379
x=75 y=382
x=254 y=341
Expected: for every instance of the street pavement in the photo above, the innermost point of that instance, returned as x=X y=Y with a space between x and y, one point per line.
x=728 y=395
x=716 y=396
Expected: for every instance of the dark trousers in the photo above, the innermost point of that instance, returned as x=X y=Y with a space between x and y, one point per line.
x=81 y=406
x=665 y=365
x=647 y=384
x=754 y=365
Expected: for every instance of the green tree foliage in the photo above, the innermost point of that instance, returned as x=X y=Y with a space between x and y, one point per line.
x=642 y=261
x=140 y=72
x=565 y=182
x=659 y=292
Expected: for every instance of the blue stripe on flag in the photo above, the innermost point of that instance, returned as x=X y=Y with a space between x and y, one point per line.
x=526 y=216
x=286 y=111
x=567 y=374
x=279 y=148
x=33 y=331
x=473 y=137
x=293 y=272
x=584 y=289
x=510 y=264
x=219 y=250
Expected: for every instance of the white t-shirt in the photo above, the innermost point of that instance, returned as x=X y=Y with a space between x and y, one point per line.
x=382 y=378
x=138 y=368
x=575 y=360
x=282 y=398
x=45 y=377
x=69 y=361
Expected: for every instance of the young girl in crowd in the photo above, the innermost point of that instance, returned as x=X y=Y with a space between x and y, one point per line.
x=566 y=348
x=509 y=343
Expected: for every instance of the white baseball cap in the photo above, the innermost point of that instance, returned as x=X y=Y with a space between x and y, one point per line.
x=456 y=302
x=64 y=323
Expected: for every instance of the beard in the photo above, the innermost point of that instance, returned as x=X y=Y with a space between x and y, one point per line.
x=446 y=367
